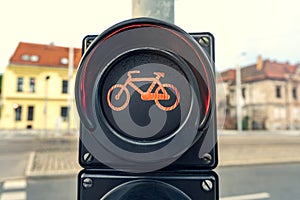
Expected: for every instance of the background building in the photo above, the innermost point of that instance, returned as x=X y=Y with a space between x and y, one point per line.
x=270 y=96
x=35 y=88
x=0 y=95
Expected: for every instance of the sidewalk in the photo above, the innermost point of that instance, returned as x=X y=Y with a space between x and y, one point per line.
x=258 y=149
x=58 y=156
x=241 y=149
x=52 y=164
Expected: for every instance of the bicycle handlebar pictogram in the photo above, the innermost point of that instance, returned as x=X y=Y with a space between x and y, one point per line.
x=160 y=93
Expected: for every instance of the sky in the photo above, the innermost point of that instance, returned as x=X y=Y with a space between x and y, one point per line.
x=243 y=29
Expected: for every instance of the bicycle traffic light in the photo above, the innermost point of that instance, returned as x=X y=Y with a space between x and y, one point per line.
x=145 y=93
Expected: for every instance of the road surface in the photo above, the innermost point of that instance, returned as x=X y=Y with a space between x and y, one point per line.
x=270 y=182
x=254 y=181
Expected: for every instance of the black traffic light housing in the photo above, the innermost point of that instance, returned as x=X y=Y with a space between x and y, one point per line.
x=112 y=185
x=138 y=76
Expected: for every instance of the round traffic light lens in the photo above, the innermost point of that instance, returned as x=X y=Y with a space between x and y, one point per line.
x=142 y=96
x=146 y=190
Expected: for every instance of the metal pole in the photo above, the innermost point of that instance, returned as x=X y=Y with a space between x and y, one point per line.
x=46 y=103
x=70 y=70
x=238 y=98
x=160 y=9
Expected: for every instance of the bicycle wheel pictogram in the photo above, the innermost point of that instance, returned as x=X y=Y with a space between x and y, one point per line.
x=118 y=93
x=161 y=104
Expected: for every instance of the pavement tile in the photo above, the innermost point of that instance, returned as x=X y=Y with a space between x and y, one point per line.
x=53 y=163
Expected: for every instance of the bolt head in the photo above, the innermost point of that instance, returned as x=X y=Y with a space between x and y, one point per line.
x=207 y=185
x=207 y=158
x=87 y=183
x=204 y=41
x=87 y=158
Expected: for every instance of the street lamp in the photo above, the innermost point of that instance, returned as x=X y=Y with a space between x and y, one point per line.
x=46 y=102
x=238 y=95
x=70 y=76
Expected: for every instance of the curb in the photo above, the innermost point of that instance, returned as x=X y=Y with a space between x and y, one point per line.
x=235 y=150
x=53 y=174
x=266 y=161
x=74 y=172
x=259 y=132
x=67 y=173
x=12 y=178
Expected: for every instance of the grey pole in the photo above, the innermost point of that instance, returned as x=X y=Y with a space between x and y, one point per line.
x=159 y=9
x=70 y=75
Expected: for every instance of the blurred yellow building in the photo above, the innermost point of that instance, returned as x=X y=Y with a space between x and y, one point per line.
x=35 y=88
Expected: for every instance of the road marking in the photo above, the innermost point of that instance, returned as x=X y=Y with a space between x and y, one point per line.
x=14 y=189
x=14 y=184
x=13 y=196
x=263 y=195
x=30 y=163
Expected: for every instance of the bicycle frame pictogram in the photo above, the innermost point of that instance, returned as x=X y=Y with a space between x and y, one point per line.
x=160 y=93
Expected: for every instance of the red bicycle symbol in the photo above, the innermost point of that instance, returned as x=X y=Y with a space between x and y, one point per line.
x=160 y=93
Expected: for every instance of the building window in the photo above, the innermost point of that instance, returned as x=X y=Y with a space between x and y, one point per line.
x=18 y=111
x=30 y=113
x=20 y=84
x=278 y=91
x=294 y=93
x=25 y=57
x=244 y=93
x=32 y=85
x=64 y=61
x=64 y=86
x=64 y=113
x=34 y=58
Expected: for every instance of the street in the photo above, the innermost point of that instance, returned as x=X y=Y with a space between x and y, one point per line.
x=279 y=181
x=276 y=180
x=15 y=152
x=64 y=188
x=13 y=165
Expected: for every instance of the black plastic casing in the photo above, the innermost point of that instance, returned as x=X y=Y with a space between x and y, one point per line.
x=190 y=160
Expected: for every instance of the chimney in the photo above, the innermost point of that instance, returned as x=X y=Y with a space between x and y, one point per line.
x=259 y=64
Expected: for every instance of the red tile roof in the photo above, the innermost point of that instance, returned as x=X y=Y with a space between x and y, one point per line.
x=269 y=70
x=44 y=55
x=228 y=75
x=279 y=70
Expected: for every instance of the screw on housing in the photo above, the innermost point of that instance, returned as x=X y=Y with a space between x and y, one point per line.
x=207 y=185
x=204 y=41
x=87 y=183
x=88 y=158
